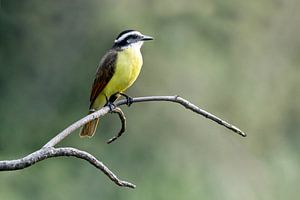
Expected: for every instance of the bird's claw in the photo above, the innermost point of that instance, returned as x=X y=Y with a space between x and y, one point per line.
x=129 y=99
x=111 y=106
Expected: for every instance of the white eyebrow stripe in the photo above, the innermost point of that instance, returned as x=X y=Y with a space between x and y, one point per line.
x=126 y=34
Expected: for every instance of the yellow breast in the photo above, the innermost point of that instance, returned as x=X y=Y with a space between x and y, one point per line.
x=128 y=66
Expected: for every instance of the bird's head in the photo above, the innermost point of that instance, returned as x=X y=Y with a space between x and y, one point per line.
x=130 y=38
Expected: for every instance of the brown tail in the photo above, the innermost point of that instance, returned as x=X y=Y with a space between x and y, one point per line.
x=89 y=129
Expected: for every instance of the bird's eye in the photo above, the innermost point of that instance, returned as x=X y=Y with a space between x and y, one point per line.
x=135 y=37
x=132 y=39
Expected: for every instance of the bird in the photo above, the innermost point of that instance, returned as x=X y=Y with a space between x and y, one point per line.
x=117 y=71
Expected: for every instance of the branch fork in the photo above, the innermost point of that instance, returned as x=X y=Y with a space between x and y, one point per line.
x=49 y=150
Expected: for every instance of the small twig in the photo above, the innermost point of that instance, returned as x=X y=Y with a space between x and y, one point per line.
x=50 y=152
x=123 y=123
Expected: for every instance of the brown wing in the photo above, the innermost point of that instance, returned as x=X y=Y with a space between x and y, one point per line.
x=104 y=73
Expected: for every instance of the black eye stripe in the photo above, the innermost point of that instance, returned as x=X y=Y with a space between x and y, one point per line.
x=130 y=37
x=127 y=37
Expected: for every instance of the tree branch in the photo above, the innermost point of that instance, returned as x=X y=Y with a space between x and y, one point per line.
x=48 y=150
x=105 y=110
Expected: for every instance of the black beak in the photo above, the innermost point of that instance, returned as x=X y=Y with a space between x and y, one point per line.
x=146 y=38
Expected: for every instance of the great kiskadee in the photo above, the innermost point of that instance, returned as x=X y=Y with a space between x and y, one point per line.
x=117 y=71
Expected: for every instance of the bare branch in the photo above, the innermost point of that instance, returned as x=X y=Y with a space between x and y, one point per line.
x=62 y=135
x=50 y=152
x=105 y=110
x=187 y=105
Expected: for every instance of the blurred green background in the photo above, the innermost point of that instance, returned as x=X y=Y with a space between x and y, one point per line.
x=237 y=59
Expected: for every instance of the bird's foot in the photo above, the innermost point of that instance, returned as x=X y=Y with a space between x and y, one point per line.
x=111 y=105
x=129 y=99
